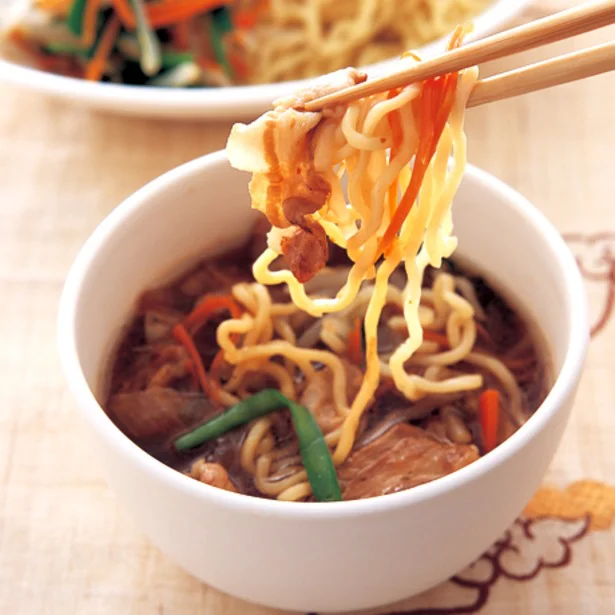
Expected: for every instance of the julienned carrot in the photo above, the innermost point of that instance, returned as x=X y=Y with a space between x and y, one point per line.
x=166 y=12
x=96 y=67
x=240 y=68
x=124 y=12
x=181 y=35
x=214 y=376
x=426 y=148
x=90 y=18
x=438 y=338
x=247 y=18
x=207 y=308
x=397 y=136
x=183 y=337
x=489 y=403
x=434 y=107
x=355 y=355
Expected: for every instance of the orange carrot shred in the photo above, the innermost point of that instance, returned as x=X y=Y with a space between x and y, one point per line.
x=438 y=338
x=124 y=12
x=355 y=354
x=397 y=135
x=183 y=337
x=434 y=107
x=489 y=403
x=181 y=35
x=207 y=308
x=90 y=17
x=166 y=12
x=96 y=67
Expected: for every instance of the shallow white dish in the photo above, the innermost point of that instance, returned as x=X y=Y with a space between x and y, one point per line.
x=231 y=103
x=316 y=556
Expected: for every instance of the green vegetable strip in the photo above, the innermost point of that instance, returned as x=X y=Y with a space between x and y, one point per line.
x=171 y=59
x=315 y=454
x=219 y=25
x=222 y=17
x=65 y=49
x=150 y=46
x=74 y=21
x=312 y=446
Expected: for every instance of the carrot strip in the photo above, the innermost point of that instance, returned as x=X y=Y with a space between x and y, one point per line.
x=489 y=403
x=355 y=355
x=240 y=68
x=123 y=10
x=166 y=12
x=397 y=135
x=422 y=159
x=90 y=17
x=170 y=12
x=183 y=337
x=246 y=19
x=206 y=308
x=438 y=338
x=435 y=106
x=214 y=375
x=181 y=35
x=96 y=67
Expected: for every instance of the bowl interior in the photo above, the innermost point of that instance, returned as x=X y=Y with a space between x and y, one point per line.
x=202 y=209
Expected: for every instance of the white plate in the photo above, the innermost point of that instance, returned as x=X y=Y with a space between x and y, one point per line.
x=231 y=103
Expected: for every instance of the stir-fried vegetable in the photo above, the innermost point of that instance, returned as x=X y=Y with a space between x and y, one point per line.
x=182 y=75
x=355 y=343
x=172 y=43
x=434 y=107
x=148 y=42
x=220 y=24
x=438 y=338
x=195 y=320
x=96 y=66
x=489 y=404
x=74 y=21
x=312 y=446
x=183 y=337
x=208 y=307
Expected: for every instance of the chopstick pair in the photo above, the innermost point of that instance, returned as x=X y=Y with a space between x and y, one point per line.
x=548 y=73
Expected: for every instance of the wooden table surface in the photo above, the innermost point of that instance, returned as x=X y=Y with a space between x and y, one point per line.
x=67 y=546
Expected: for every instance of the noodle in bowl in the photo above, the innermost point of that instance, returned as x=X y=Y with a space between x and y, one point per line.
x=310 y=556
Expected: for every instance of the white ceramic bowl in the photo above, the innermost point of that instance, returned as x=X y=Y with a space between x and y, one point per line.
x=232 y=103
x=316 y=556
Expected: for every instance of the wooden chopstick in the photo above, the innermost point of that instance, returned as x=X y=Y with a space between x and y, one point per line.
x=546 y=74
x=565 y=24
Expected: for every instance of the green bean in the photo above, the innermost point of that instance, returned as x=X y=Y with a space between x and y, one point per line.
x=148 y=41
x=312 y=446
x=74 y=21
x=220 y=24
x=171 y=59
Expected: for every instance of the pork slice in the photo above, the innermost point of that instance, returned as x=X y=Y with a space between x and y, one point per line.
x=212 y=474
x=158 y=413
x=403 y=457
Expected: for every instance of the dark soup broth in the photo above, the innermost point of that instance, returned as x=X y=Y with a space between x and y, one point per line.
x=160 y=389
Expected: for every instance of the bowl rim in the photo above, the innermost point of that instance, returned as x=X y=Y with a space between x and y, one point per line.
x=562 y=389
x=225 y=102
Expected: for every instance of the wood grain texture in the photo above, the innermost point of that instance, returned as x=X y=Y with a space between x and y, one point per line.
x=66 y=545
